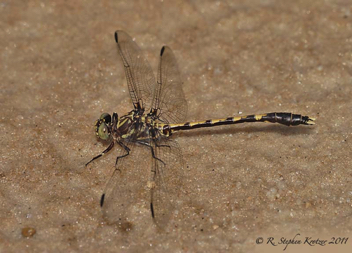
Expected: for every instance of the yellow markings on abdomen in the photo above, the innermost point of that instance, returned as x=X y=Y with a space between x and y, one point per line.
x=259 y=116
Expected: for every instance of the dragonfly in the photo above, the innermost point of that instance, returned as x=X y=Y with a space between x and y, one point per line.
x=159 y=110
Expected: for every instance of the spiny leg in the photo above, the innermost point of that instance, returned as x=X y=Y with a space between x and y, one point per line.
x=152 y=149
x=102 y=153
x=125 y=148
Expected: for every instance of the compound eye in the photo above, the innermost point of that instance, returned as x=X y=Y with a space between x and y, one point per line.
x=106 y=117
x=103 y=131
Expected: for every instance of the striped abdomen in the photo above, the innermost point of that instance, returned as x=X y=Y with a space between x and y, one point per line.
x=284 y=118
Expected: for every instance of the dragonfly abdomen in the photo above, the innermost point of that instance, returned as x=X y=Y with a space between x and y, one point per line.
x=288 y=119
x=285 y=118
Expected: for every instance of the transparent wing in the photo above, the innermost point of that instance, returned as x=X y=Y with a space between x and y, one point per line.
x=139 y=75
x=169 y=100
x=165 y=180
x=125 y=188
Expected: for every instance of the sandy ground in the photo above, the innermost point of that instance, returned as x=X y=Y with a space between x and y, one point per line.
x=60 y=70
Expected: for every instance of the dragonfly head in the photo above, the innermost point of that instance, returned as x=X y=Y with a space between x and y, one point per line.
x=103 y=126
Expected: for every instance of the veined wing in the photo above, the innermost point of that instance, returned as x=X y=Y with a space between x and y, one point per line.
x=125 y=187
x=166 y=179
x=139 y=75
x=169 y=103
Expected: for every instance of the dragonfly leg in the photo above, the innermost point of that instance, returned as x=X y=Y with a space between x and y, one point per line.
x=102 y=153
x=125 y=148
x=152 y=149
